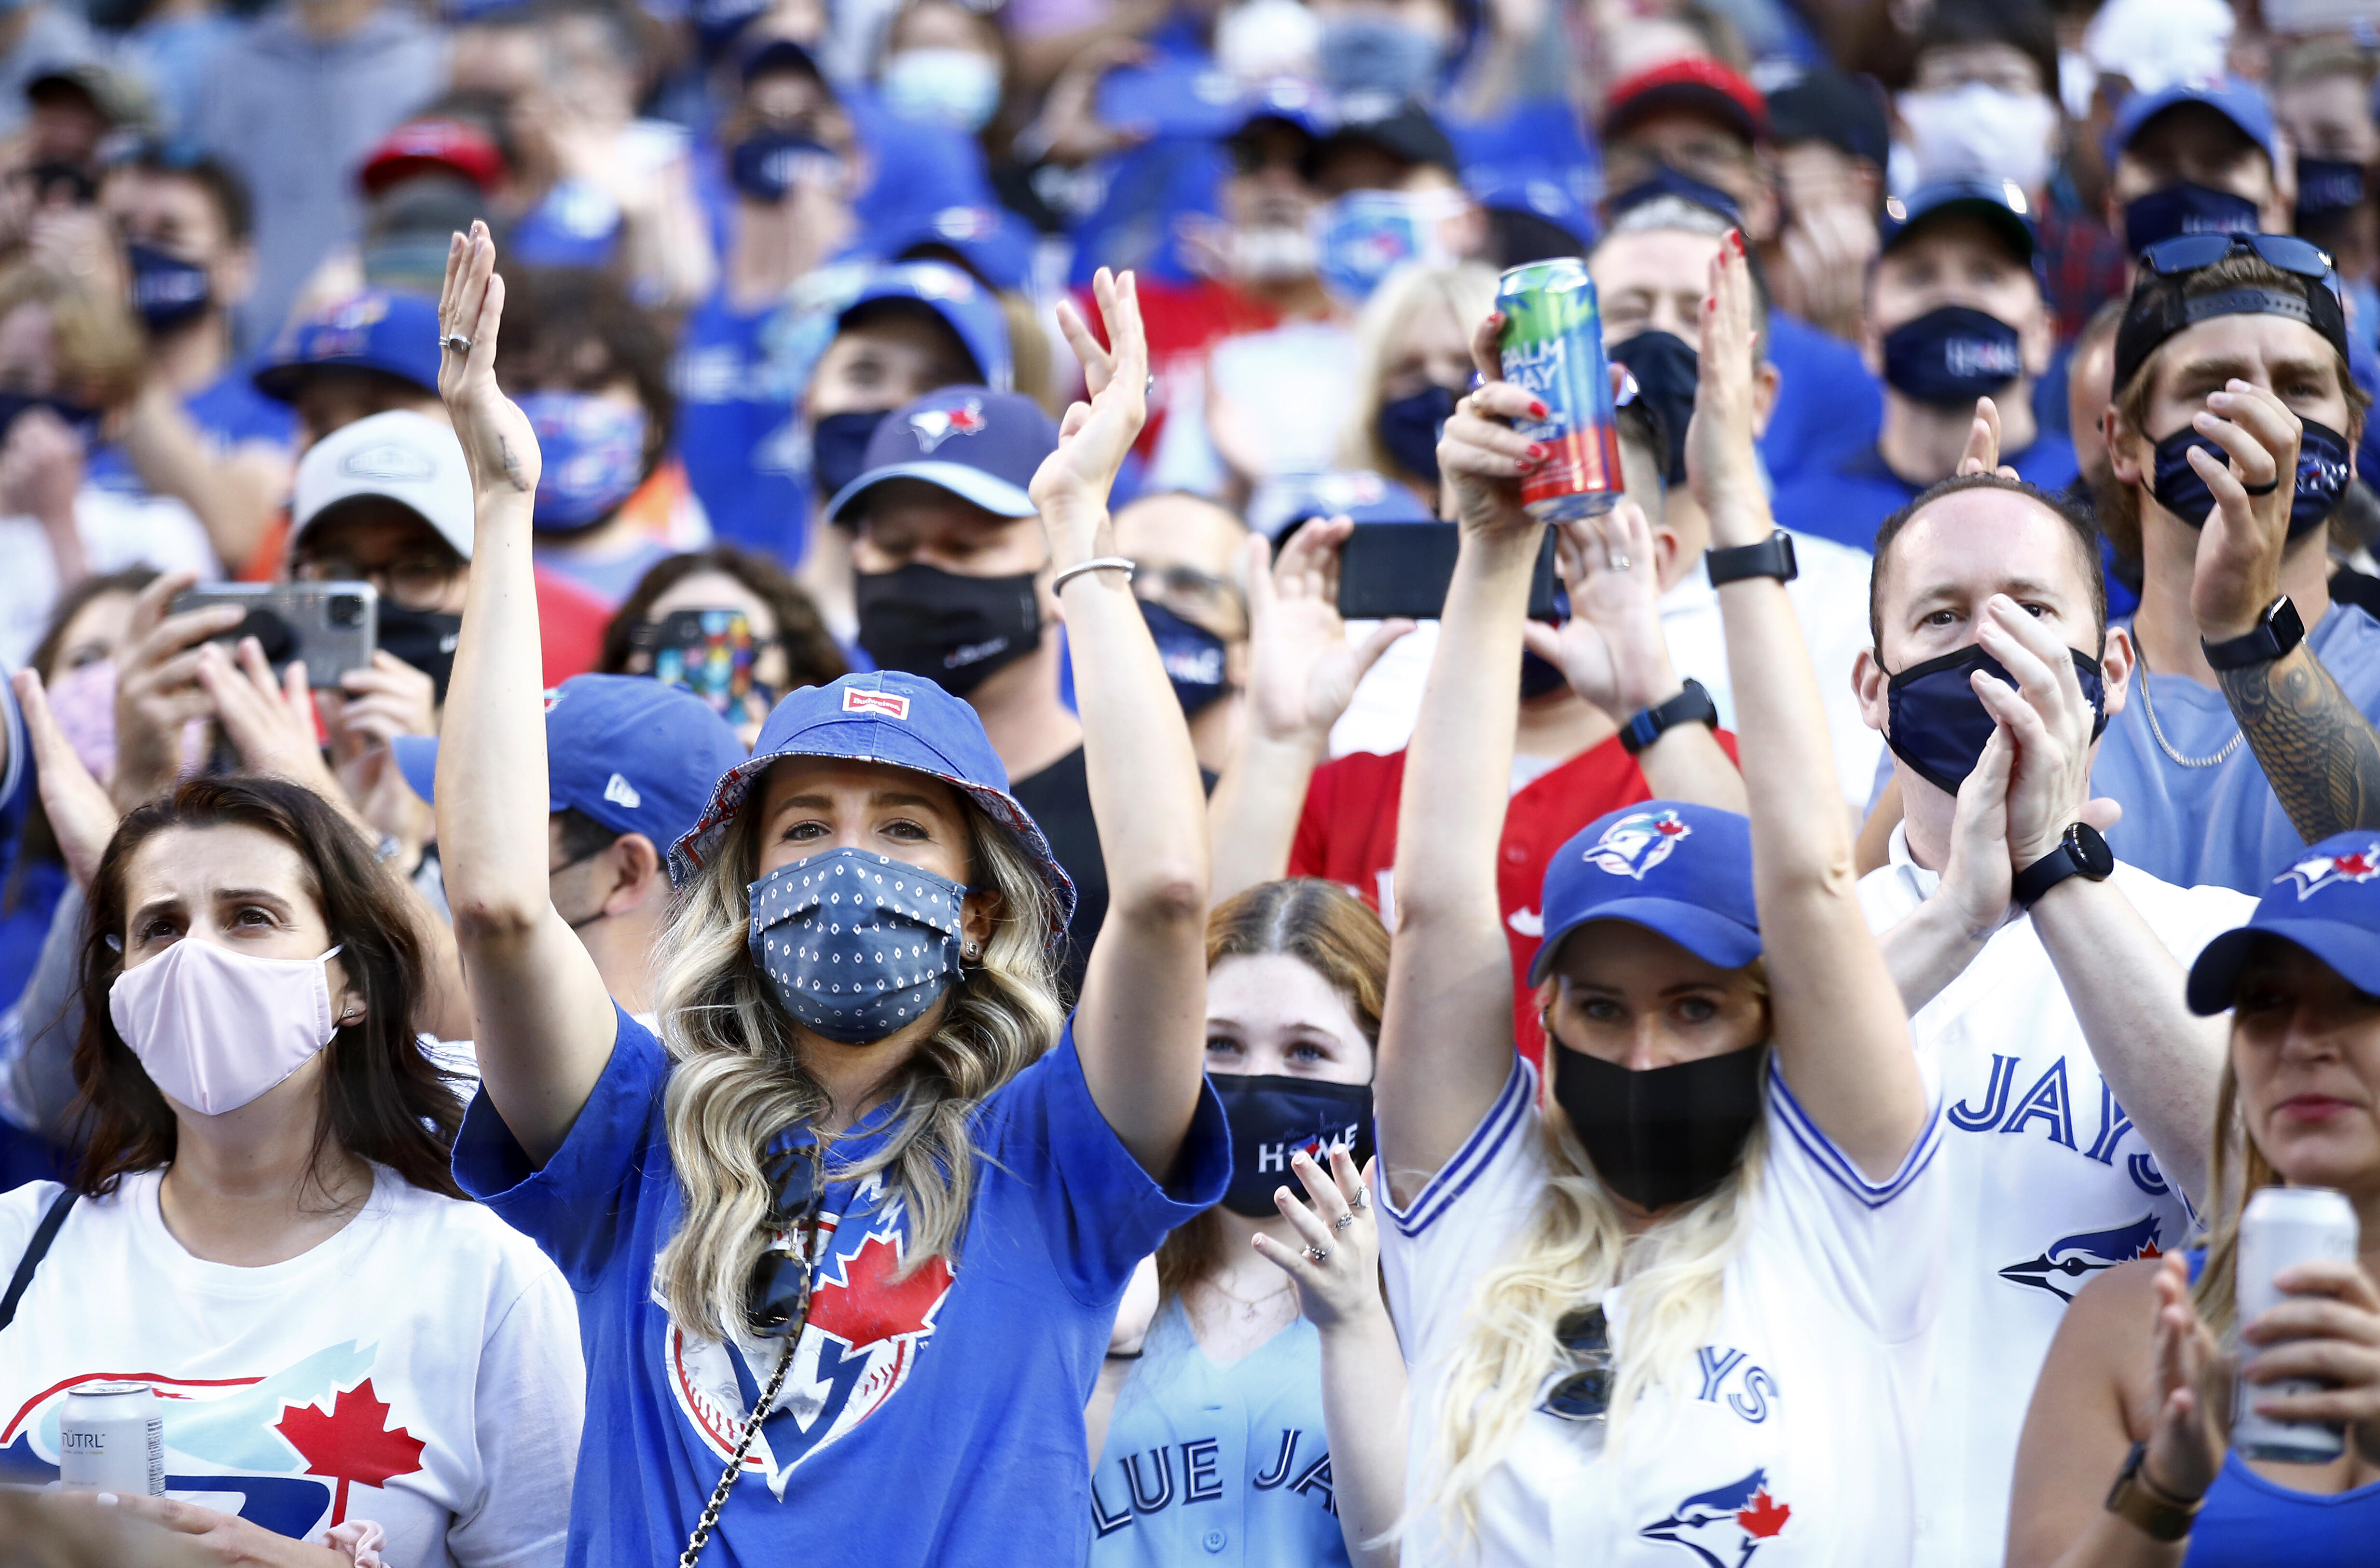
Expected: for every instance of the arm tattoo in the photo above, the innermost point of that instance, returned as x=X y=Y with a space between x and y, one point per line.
x=512 y=465
x=2319 y=753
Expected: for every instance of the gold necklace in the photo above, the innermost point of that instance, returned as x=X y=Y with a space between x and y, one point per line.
x=1249 y=1315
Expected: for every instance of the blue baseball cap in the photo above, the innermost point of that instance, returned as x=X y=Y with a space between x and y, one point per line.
x=967 y=306
x=1537 y=189
x=1292 y=101
x=1287 y=501
x=991 y=242
x=979 y=444
x=1680 y=870
x=900 y=721
x=2241 y=102
x=2000 y=203
x=377 y=330
x=2327 y=902
x=633 y=754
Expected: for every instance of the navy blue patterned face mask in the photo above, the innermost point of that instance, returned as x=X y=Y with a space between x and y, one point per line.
x=1950 y=355
x=2321 y=477
x=856 y=946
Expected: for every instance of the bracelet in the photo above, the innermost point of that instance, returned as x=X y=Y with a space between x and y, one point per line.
x=1124 y=564
x=1124 y=1354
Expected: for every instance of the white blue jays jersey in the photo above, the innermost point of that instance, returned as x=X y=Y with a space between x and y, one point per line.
x=1784 y=1442
x=2045 y=1183
x=1218 y=1464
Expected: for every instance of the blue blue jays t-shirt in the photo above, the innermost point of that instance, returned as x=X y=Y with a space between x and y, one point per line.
x=229 y=413
x=1849 y=498
x=2221 y=825
x=747 y=456
x=931 y=1418
x=1828 y=403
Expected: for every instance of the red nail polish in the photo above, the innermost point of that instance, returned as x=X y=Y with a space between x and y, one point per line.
x=1537 y=410
x=1536 y=453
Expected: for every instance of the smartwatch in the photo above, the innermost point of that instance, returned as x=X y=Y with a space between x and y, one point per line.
x=2137 y=1500
x=2278 y=631
x=2080 y=853
x=1692 y=705
x=1772 y=558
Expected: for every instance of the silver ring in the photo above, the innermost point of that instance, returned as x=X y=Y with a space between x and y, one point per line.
x=1617 y=563
x=1317 y=1253
x=1343 y=1220
x=455 y=341
x=1363 y=1195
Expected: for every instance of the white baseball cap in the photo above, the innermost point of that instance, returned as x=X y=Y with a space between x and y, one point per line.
x=410 y=458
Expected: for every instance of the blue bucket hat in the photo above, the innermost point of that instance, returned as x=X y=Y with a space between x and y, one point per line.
x=377 y=330
x=900 y=721
x=1671 y=867
x=2327 y=902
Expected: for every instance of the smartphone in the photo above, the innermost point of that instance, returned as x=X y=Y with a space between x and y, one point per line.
x=1389 y=570
x=707 y=653
x=331 y=625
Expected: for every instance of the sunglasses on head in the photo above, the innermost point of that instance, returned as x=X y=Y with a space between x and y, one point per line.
x=2196 y=253
x=778 y=1298
x=1582 y=1392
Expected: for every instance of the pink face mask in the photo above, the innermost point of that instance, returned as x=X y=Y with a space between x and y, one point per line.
x=84 y=701
x=216 y=1030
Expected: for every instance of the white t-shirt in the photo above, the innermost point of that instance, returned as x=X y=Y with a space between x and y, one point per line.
x=1785 y=1445
x=2044 y=1185
x=118 y=530
x=420 y=1368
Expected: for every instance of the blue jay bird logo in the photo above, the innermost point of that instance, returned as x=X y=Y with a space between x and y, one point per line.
x=1637 y=842
x=2066 y=1266
x=1725 y=1525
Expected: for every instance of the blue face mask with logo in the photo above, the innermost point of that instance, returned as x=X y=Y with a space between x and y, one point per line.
x=1951 y=356
x=856 y=946
x=2186 y=209
x=593 y=452
x=2321 y=478
x=1408 y=429
x=1936 y=724
x=1192 y=656
x=1365 y=235
x=2327 y=186
x=1273 y=1115
x=166 y=290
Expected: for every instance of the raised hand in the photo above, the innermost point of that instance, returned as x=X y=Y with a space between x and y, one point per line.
x=1302 y=670
x=1337 y=1218
x=2238 y=570
x=2187 y=1438
x=81 y=814
x=1721 y=470
x=1071 y=487
x=1611 y=649
x=2051 y=723
x=498 y=445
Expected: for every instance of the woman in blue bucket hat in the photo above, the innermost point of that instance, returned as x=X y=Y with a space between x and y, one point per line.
x=849 y=1235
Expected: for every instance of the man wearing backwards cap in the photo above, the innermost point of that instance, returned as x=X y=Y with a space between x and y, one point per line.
x=629 y=764
x=2231 y=437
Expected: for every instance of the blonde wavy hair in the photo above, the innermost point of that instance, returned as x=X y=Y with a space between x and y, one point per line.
x=2237 y=1171
x=736 y=1080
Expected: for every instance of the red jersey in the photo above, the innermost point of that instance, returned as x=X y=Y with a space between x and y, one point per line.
x=1183 y=321
x=1348 y=834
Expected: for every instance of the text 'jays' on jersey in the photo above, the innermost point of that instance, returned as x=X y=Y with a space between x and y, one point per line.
x=2045 y=1183
x=1783 y=1443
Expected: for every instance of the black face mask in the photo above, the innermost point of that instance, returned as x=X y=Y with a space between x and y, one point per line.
x=422 y=638
x=1950 y=355
x=166 y=290
x=84 y=422
x=2327 y=186
x=953 y=630
x=839 y=451
x=1667 y=1135
x=1667 y=369
x=1408 y=430
x=1273 y=1116
x=1936 y=724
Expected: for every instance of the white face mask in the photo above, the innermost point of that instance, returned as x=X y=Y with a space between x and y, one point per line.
x=1981 y=131
x=953 y=86
x=215 y=1028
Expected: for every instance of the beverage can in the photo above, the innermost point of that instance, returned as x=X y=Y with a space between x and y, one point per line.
x=2284 y=1227
x=112 y=1439
x=1552 y=349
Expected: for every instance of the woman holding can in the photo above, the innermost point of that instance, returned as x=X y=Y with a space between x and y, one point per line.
x=2140 y=1449
x=1676 y=1303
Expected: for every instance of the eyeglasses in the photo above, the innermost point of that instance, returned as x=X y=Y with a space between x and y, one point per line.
x=779 y=1298
x=2196 y=253
x=1584 y=1392
x=1188 y=591
x=417 y=582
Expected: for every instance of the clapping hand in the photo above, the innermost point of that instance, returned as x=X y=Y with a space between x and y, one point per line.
x=1302 y=670
x=2052 y=723
x=1722 y=471
x=2238 y=567
x=1611 y=649
x=1071 y=485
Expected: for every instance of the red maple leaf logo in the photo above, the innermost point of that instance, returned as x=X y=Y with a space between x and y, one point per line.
x=354 y=1443
x=967 y=419
x=1670 y=829
x=868 y=1306
x=1765 y=1517
x=2357 y=864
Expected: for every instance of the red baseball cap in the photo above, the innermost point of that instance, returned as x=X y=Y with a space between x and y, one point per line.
x=428 y=146
x=1697 y=85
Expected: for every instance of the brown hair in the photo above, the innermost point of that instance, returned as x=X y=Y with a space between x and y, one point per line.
x=1330 y=931
x=100 y=353
x=383 y=1100
x=812 y=657
x=2238 y=1167
x=2081 y=531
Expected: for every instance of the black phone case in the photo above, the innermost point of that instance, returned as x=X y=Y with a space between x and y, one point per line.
x=1390 y=570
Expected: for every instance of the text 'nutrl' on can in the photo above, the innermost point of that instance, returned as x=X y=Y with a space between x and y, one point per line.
x=1552 y=349
x=2284 y=1227
x=112 y=1439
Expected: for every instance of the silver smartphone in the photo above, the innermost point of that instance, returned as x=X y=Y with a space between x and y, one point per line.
x=334 y=626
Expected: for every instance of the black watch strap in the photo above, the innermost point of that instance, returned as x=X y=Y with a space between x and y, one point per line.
x=2278 y=631
x=1690 y=706
x=1772 y=558
x=2082 y=853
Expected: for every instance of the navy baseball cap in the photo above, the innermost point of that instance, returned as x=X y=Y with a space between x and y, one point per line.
x=900 y=721
x=2241 y=102
x=377 y=330
x=979 y=444
x=965 y=305
x=2000 y=203
x=1680 y=870
x=635 y=755
x=2327 y=901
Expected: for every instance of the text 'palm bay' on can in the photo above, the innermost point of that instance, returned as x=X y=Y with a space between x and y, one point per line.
x=2281 y=1228
x=112 y=1439
x=1552 y=347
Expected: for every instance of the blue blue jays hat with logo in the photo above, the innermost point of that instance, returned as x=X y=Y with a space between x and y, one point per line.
x=2327 y=902
x=377 y=330
x=2241 y=102
x=901 y=721
x=2000 y=204
x=979 y=444
x=1680 y=870
x=635 y=755
x=966 y=306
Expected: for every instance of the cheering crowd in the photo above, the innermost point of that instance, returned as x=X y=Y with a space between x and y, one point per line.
x=816 y=781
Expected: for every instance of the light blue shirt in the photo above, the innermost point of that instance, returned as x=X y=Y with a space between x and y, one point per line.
x=2219 y=825
x=1217 y=1463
